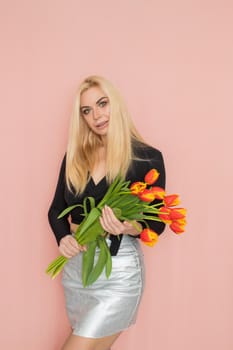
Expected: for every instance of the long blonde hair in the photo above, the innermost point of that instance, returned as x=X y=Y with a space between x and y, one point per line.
x=83 y=142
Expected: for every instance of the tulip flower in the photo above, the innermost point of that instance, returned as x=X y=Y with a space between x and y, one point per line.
x=146 y=196
x=149 y=237
x=164 y=215
x=171 y=200
x=177 y=226
x=151 y=176
x=181 y=221
x=137 y=187
x=158 y=192
x=177 y=213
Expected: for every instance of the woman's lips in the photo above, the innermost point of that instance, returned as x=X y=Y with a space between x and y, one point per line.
x=102 y=124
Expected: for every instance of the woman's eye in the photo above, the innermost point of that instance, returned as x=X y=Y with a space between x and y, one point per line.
x=102 y=103
x=85 y=111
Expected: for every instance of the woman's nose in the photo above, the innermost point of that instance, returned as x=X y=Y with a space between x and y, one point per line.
x=96 y=113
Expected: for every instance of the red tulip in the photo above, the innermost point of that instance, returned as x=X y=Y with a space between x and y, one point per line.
x=149 y=237
x=177 y=213
x=146 y=196
x=171 y=200
x=164 y=215
x=158 y=192
x=137 y=187
x=178 y=226
x=151 y=176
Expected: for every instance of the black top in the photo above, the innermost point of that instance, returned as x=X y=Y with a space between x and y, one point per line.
x=147 y=158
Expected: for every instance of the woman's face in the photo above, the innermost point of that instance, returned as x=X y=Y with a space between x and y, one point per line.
x=95 y=109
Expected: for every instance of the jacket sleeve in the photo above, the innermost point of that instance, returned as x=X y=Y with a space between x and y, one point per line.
x=60 y=227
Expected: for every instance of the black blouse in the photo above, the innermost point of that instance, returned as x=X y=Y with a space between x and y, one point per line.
x=147 y=158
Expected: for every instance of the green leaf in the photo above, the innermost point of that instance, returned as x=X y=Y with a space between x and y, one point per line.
x=60 y=259
x=90 y=229
x=128 y=201
x=67 y=210
x=112 y=188
x=101 y=262
x=88 y=222
x=108 y=267
x=56 y=266
x=152 y=218
x=92 y=204
x=58 y=269
x=130 y=217
x=88 y=261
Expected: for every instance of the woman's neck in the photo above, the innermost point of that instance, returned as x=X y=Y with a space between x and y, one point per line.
x=99 y=168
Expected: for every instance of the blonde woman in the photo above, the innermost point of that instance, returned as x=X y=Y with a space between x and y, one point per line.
x=103 y=143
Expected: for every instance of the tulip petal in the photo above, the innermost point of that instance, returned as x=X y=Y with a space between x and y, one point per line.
x=149 y=237
x=146 y=196
x=164 y=215
x=177 y=213
x=171 y=200
x=177 y=227
x=151 y=176
x=137 y=187
x=158 y=192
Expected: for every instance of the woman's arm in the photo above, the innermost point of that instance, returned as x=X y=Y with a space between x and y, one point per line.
x=68 y=246
x=60 y=227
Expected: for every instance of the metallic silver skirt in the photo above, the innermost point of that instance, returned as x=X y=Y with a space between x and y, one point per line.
x=109 y=305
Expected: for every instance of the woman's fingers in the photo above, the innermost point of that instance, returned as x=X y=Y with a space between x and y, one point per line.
x=69 y=247
x=110 y=223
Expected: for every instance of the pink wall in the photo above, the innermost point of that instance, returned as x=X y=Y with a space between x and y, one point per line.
x=172 y=61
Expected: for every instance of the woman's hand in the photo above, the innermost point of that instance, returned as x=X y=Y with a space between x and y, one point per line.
x=112 y=225
x=69 y=247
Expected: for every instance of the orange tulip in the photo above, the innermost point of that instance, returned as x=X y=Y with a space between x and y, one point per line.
x=137 y=187
x=146 y=196
x=180 y=221
x=177 y=213
x=171 y=200
x=149 y=237
x=164 y=215
x=151 y=176
x=158 y=192
x=177 y=226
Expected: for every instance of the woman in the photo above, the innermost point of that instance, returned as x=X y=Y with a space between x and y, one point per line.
x=103 y=143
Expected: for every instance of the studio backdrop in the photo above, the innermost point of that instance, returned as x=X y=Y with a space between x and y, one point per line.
x=172 y=62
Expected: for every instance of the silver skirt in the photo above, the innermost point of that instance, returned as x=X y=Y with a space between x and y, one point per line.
x=109 y=305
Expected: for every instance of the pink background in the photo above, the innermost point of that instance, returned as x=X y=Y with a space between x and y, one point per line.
x=172 y=60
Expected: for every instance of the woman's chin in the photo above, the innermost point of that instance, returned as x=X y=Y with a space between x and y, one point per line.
x=101 y=131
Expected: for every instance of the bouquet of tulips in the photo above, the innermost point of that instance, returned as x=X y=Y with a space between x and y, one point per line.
x=131 y=203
